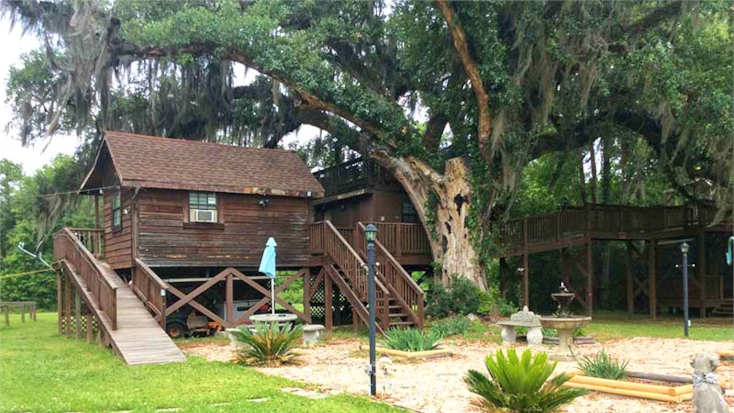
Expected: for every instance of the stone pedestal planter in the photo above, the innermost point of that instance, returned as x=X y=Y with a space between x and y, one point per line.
x=312 y=334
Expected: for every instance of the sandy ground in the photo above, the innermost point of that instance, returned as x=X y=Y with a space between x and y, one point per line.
x=436 y=385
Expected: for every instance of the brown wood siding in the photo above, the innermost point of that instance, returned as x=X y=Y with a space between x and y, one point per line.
x=164 y=241
x=379 y=206
x=118 y=244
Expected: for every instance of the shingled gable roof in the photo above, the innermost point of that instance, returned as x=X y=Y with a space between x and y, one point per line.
x=157 y=162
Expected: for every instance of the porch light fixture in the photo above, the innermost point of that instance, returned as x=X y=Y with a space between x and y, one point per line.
x=370 y=233
x=684 y=248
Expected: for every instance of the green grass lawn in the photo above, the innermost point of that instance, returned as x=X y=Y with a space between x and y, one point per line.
x=608 y=326
x=41 y=371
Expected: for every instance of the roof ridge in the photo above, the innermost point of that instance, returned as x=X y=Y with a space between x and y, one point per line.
x=190 y=141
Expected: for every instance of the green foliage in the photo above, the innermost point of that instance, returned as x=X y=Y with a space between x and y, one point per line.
x=521 y=384
x=551 y=332
x=30 y=213
x=452 y=326
x=462 y=297
x=410 y=339
x=270 y=345
x=604 y=366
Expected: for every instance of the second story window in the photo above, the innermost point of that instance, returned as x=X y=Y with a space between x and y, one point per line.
x=203 y=207
x=410 y=215
x=116 y=212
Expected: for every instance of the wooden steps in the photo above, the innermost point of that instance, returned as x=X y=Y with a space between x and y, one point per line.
x=138 y=339
x=724 y=309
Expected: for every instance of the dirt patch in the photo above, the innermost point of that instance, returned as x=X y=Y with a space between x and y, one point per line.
x=436 y=385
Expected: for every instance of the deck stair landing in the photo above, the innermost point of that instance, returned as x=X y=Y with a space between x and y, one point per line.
x=126 y=324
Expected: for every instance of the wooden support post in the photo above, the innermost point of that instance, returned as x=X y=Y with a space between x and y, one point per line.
x=652 y=277
x=565 y=273
x=589 y=278
x=22 y=313
x=90 y=330
x=630 y=281
x=306 y=292
x=526 y=280
x=67 y=304
x=33 y=310
x=701 y=271
x=78 y=313
x=328 y=310
x=97 y=222
x=59 y=301
x=7 y=315
x=229 y=297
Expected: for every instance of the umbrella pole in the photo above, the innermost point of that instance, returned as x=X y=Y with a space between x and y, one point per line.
x=272 y=295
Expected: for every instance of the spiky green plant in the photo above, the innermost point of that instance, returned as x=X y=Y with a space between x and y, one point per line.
x=410 y=339
x=520 y=384
x=604 y=366
x=452 y=326
x=270 y=345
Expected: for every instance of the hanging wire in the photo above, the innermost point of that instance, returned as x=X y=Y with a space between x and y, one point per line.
x=70 y=192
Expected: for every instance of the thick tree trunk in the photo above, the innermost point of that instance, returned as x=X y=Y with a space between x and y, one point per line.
x=450 y=241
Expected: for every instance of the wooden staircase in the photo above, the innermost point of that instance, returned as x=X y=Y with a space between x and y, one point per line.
x=724 y=309
x=399 y=300
x=124 y=322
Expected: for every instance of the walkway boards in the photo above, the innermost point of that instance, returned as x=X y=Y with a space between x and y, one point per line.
x=138 y=339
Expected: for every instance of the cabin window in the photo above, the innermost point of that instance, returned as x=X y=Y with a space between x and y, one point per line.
x=116 y=212
x=410 y=215
x=203 y=207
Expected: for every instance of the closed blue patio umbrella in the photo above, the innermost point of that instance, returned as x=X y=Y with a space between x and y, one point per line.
x=267 y=267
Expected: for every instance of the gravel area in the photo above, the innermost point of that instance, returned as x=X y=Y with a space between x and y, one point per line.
x=436 y=386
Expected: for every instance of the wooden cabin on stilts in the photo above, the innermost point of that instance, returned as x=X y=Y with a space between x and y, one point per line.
x=181 y=227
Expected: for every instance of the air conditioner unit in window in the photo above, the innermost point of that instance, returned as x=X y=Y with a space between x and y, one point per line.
x=204 y=215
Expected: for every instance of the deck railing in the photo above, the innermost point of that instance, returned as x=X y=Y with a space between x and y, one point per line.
x=404 y=288
x=92 y=238
x=403 y=239
x=67 y=246
x=349 y=176
x=151 y=290
x=672 y=288
x=515 y=235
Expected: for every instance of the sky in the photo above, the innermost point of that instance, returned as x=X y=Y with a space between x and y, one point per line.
x=13 y=46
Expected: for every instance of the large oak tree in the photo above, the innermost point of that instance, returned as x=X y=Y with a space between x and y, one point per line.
x=454 y=98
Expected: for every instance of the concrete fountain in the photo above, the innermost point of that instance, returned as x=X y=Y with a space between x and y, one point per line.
x=564 y=323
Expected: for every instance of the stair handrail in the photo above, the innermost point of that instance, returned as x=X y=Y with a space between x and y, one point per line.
x=68 y=246
x=356 y=271
x=395 y=276
x=151 y=289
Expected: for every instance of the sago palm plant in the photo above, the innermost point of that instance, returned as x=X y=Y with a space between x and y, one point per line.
x=270 y=345
x=520 y=384
x=410 y=339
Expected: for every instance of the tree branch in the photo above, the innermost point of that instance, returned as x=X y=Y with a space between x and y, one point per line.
x=461 y=44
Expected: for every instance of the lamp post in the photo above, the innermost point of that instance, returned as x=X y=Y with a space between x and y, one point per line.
x=684 y=247
x=370 y=234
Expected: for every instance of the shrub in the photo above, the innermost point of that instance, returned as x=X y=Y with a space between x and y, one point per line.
x=520 y=384
x=604 y=366
x=488 y=305
x=410 y=339
x=463 y=297
x=270 y=345
x=452 y=326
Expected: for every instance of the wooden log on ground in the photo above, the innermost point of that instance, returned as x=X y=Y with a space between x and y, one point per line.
x=660 y=377
x=627 y=385
x=626 y=392
x=410 y=354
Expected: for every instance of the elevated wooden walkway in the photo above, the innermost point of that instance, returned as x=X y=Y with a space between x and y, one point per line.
x=121 y=319
x=580 y=226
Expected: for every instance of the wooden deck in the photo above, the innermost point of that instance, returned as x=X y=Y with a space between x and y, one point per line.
x=576 y=226
x=122 y=320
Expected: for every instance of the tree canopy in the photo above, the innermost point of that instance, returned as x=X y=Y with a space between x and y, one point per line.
x=457 y=99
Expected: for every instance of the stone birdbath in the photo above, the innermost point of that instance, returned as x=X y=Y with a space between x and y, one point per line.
x=280 y=318
x=564 y=323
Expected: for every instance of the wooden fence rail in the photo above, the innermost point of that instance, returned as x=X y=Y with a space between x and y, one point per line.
x=67 y=246
x=151 y=290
